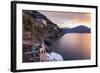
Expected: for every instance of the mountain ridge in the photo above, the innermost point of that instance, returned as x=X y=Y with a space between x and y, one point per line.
x=77 y=29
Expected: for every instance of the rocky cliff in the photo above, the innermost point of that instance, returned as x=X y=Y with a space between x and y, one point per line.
x=36 y=28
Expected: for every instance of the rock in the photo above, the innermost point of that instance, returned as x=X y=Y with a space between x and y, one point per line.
x=36 y=28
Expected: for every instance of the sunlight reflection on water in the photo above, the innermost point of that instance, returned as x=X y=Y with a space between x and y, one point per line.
x=78 y=45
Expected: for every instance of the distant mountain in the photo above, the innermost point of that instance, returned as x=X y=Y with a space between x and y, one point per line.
x=78 y=29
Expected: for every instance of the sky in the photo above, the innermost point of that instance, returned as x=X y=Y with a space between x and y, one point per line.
x=68 y=19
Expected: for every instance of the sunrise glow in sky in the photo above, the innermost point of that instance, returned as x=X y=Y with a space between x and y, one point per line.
x=69 y=19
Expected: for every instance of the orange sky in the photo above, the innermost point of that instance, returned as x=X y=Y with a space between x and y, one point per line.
x=68 y=19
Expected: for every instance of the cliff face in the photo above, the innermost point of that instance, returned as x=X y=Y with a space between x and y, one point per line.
x=36 y=28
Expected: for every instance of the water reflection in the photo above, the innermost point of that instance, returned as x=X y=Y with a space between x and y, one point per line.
x=74 y=46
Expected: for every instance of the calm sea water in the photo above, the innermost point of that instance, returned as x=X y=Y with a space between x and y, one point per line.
x=74 y=46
